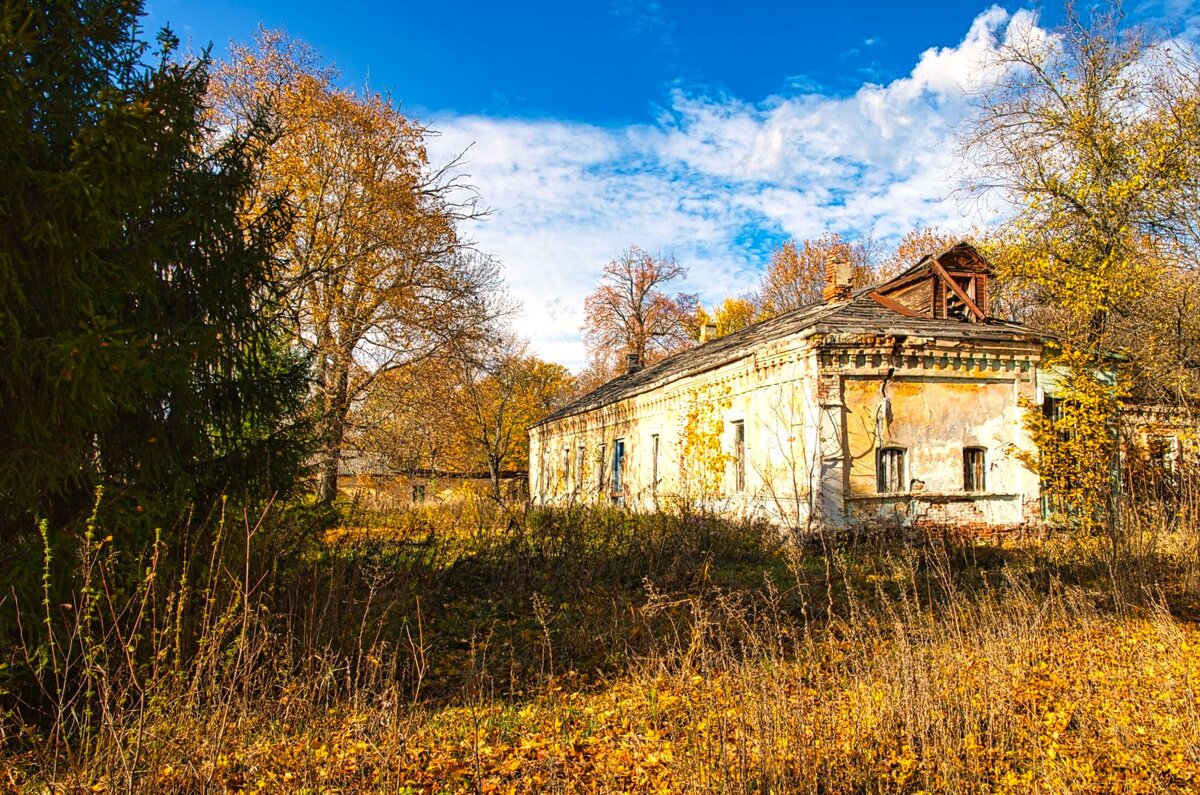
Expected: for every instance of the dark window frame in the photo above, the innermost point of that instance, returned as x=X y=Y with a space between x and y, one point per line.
x=601 y=478
x=618 y=471
x=654 y=448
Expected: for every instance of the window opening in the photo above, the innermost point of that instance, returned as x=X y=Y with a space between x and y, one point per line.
x=601 y=469
x=1052 y=410
x=566 y=467
x=418 y=492
x=1164 y=453
x=974 y=469
x=654 y=460
x=618 y=472
x=890 y=470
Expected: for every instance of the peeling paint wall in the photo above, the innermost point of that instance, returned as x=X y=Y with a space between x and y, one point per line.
x=933 y=419
x=932 y=400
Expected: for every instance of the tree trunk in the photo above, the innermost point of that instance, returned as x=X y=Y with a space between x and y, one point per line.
x=494 y=472
x=327 y=484
x=334 y=429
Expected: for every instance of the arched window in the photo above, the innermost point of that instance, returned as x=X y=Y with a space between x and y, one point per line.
x=889 y=469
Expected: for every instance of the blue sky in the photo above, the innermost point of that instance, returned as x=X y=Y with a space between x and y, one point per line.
x=601 y=62
x=708 y=131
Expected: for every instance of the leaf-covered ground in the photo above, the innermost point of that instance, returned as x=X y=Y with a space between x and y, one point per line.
x=600 y=653
x=1103 y=706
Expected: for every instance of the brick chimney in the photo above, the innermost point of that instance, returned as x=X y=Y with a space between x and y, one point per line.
x=633 y=362
x=708 y=332
x=839 y=278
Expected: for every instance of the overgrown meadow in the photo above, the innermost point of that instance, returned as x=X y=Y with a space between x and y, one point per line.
x=474 y=647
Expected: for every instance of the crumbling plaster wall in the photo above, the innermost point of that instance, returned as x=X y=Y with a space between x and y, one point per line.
x=932 y=406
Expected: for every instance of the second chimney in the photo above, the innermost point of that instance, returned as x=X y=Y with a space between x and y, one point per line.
x=839 y=279
x=708 y=332
x=633 y=362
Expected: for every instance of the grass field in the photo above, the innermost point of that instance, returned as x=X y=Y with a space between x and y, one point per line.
x=482 y=649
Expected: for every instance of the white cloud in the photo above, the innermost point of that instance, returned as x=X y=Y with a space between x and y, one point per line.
x=715 y=180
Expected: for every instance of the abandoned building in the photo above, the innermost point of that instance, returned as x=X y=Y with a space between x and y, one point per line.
x=900 y=402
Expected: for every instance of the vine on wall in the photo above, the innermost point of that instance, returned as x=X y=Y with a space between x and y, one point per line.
x=702 y=457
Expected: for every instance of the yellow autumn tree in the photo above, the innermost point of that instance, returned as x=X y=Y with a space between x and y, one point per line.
x=378 y=275
x=501 y=391
x=733 y=314
x=408 y=417
x=1092 y=134
x=464 y=412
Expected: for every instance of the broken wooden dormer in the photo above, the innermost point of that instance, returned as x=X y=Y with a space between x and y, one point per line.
x=951 y=285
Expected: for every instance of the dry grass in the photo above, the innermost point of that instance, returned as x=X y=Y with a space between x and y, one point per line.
x=480 y=651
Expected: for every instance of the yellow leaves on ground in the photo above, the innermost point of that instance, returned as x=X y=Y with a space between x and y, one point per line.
x=1092 y=706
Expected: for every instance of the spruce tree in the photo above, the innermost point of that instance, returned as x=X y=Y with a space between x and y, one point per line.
x=139 y=348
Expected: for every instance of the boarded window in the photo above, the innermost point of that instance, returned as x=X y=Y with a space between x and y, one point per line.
x=974 y=470
x=654 y=459
x=739 y=455
x=618 y=472
x=890 y=470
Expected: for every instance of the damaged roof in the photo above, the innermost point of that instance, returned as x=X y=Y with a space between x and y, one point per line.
x=862 y=314
x=869 y=310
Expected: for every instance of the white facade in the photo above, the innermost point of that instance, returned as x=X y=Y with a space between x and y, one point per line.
x=840 y=413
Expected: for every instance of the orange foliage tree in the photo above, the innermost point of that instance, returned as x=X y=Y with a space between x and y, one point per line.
x=464 y=412
x=916 y=244
x=501 y=392
x=629 y=309
x=378 y=277
x=795 y=275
